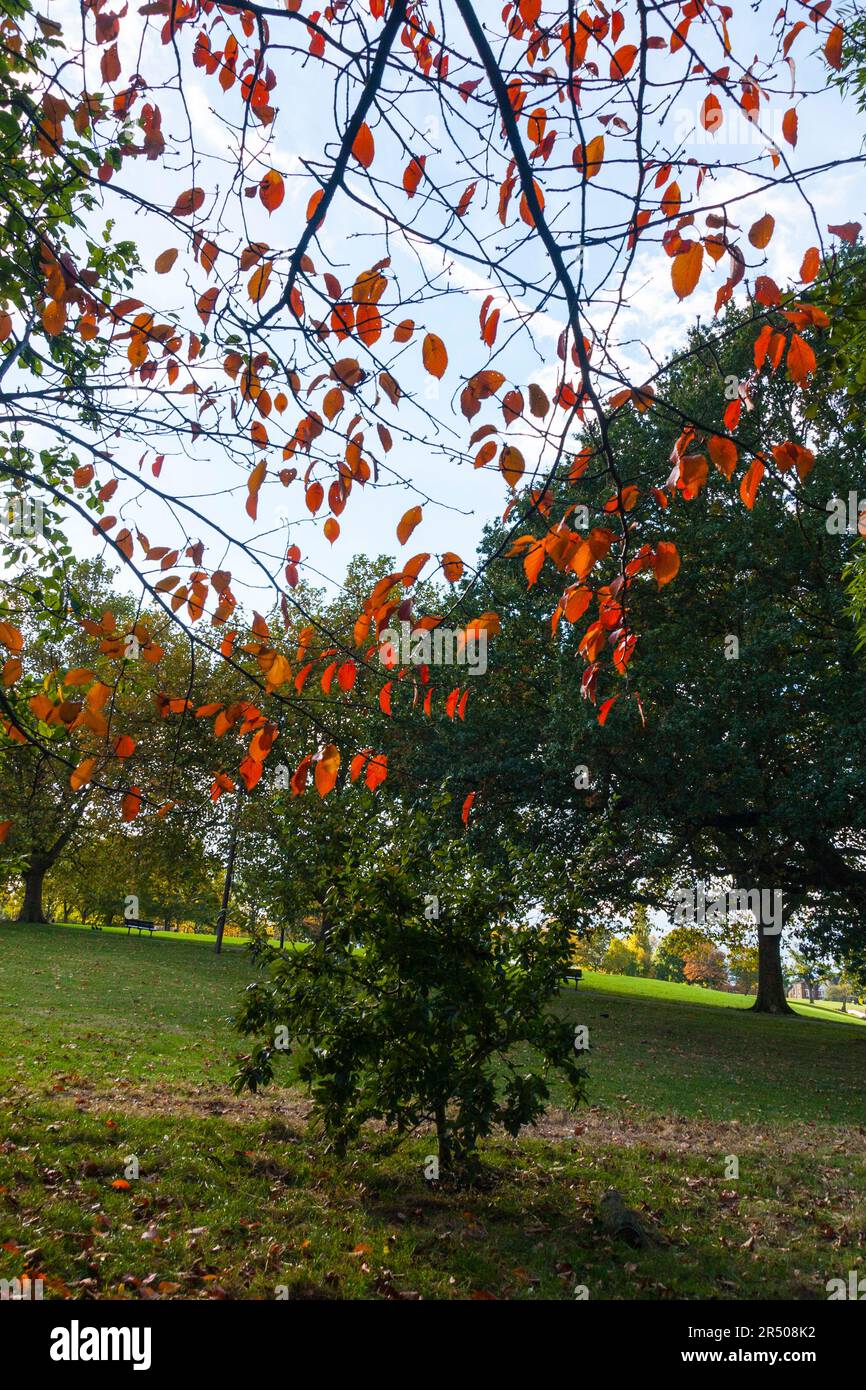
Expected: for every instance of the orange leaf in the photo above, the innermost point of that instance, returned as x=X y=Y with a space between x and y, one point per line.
x=327 y=767
x=131 y=804
x=82 y=774
x=800 y=360
x=760 y=233
x=512 y=465
x=188 y=203
x=723 y=452
x=622 y=61
x=811 y=264
x=272 y=190
x=258 y=282
x=452 y=567
x=751 y=482
x=833 y=47
x=413 y=174
x=54 y=317
x=588 y=162
x=12 y=671
x=789 y=126
x=434 y=355
x=363 y=147
x=686 y=269
x=164 y=261
x=467 y=807
x=407 y=523
x=666 y=562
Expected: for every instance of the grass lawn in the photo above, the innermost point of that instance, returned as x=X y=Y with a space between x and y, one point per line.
x=113 y=1046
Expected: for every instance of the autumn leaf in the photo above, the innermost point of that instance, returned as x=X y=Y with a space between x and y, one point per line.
x=751 y=482
x=761 y=231
x=82 y=774
x=363 y=147
x=109 y=65
x=671 y=200
x=723 y=453
x=588 y=162
x=54 y=317
x=666 y=562
x=434 y=355
x=12 y=671
x=206 y=303
x=789 y=126
x=800 y=360
x=686 y=269
x=711 y=115
x=407 y=523
x=188 y=203
x=131 y=804
x=848 y=231
x=512 y=465
x=413 y=174
x=452 y=566
x=165 y=260
x=327 y=767
x=272 y=190
x=259 y=280
x=622 y=61
x=467 y=807
x=11 y=638
x=833 y=47
x=377 y=771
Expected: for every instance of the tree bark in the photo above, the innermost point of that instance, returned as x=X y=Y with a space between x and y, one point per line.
x=770 y=998
x=446 y=1158
x=31 y=907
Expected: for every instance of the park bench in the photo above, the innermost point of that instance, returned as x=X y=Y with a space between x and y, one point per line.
x=572 y=974
x=130 y=922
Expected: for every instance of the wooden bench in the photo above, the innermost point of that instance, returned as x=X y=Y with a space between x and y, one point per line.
x=130 y=922
x=572 y=974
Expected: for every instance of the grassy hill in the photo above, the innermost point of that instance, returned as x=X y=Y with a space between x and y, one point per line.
x=112 y=1046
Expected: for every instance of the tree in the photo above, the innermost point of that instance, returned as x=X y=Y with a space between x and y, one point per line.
x=622 y=958
x=409 y=1007
x=673 y=949
x=705 y=965
x=749 y=689
x=292 y=365
x=804 y=966
x=743 y=963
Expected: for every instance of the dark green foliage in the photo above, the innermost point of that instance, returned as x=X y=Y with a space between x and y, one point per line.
x=408 y=1007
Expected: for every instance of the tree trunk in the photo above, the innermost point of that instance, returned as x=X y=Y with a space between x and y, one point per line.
x=444 y=1144
x=770 y=998
x=31 y=907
